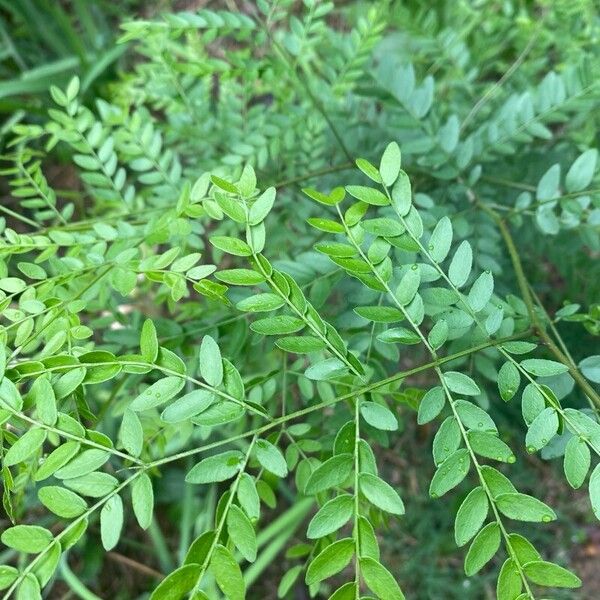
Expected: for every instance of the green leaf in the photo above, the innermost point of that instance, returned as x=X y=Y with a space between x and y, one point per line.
x=381 y=494
x=198 y=551
x=7 y=576
x=460 y=266
x=149 y=341
x=95 y=485
x=461 y=383
x=82 y=464
x=491 y=446
x=431 y=405
x=211 y=364
x=330 y=561
x=368 y=195
x=509 y=584
x=402 y=195
x=248 y=496
x=221 y=467
x=43 y=396
x=329 y=368
x=334 y=471
x=201 y=271
x=470 y=516
x=336 y=196
x=336 y=249
x=577 y=461
x=547 y=220
x=409 y=285
x=72 y=89
x=594 y=491
x=547 y=187
x=111 y=522
x=27 y=538
x=142 y=499
x=450 y=473
x=185 y=263
x=481 y=291
x=543 y=428
x=326 y=225
x=300 y=344
x=227 y=573
x=177 y=584
x=239 y=277
x=369 y=170
x=473 y=417
x=532 y=402
x=522 y=507
x=438 y=334
x=270 y=457
x=581 y=173
x=518 y=347
x=484 y=547
x=158 y=393
x=543 y=368
x=524 y=550
x=10 y=395
x=56 y=459
x=551 y=575
x=368 y=545
x=446 y=440
x=2 y=362
x=132 y=434
x=399 y=335
x=440 y=240
x=247 y=182
x=12 y=285
x=29 y=443
x=379 y=314
x=379 y=580
x=224 y=185
x=496 y=482
x=261 y=206
x=62 y=502
x=288 y=579
x=231 y=245
x=590 y=367
x=331 y=516
x=509 y=380
x=389 y=167
x=241 y=532
x=188 y=406
x=260 y=303
x=256 y=237
x=383 y=227
x=278 y=325
x=378 y=416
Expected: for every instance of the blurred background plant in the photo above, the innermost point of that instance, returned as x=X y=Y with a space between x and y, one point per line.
x=44 y=43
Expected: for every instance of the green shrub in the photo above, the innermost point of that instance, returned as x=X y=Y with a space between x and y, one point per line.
x=186 y=328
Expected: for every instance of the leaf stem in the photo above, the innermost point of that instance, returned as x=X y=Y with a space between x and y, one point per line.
x=223 y=518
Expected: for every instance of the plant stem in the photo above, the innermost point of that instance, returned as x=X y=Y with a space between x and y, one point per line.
x=325 y=403
x=325 y=171
x=529 y=303
x=356 y=498
x=223 y=519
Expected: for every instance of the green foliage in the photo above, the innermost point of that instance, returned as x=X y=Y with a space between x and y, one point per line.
x=44 y=44
x=187 y=327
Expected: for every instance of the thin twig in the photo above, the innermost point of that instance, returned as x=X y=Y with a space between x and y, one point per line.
x=134 y=564
x=482 y=101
